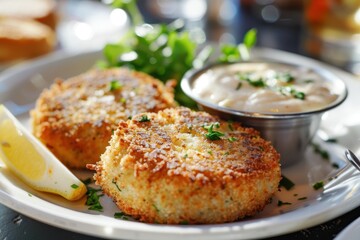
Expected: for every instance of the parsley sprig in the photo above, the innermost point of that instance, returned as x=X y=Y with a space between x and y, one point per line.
x=212 y=134
x=93 y=199
x=166 y=51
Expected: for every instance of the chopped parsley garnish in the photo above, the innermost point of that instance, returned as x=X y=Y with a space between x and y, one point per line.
x=156 y=208
x=318 y=185
x=121 y=215
x=144 y=118
x=30 y=195
x=166 y=44
x=123 y=100
x=253 y=82
x=335 y=165
x=186 y=155
x=74 y=186
x=292 y=92
x=93 y=199
x=87 y=181
x=115 y=85
x=281 y=203
x=323 y=153
x=262 y=83
x=114 y=182
x=210 y=152
x=238 y=86
x=286 y=183
x=331 y=140
x=286 y=77
x=232 y=139
x=184 y=222
x=297 y=94
x=213 y=135
x=230 y=126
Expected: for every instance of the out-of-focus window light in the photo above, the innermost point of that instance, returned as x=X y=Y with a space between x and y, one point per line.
x=194 y=10
x=357 y=16
x=270 y=13
x=228 y=11
x=83 y=31
x=118 y=17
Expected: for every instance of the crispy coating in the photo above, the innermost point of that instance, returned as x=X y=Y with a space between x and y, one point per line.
x=75 y=118
x=163 y=168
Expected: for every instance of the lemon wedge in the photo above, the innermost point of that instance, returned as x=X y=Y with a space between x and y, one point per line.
x=32 y=162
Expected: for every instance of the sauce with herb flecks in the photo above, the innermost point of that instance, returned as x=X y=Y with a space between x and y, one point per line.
x=264 y=88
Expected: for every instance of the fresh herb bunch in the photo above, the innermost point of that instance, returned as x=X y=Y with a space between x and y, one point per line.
x=165 y=52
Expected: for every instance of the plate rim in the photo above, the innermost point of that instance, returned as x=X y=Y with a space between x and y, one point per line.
x=130 y=229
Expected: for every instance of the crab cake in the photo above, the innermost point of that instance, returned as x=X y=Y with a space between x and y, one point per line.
x=180 y=166
x=76 y=117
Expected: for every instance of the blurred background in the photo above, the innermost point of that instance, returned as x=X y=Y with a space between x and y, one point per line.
x=328 y=30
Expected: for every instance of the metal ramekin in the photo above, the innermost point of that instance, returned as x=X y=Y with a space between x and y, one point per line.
x=290 y=133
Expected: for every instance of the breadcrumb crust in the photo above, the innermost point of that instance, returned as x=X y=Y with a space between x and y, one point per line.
x=76 y=117
x=165 y=169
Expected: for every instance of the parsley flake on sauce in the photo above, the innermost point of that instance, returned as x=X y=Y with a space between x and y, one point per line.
x=318 y=185
x=121 y=215
x=74 y=186
x=281 y=203
x=93 y=199
x=286 y=183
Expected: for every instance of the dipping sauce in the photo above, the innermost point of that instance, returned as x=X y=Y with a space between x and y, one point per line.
x=264 y=88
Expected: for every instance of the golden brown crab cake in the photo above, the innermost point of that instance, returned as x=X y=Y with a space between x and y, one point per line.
x=76 y=117
x=180 y=166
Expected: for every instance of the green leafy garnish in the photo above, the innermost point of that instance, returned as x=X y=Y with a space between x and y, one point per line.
x=286 y=183
x=114 y=182
x=87 y=181
x=323 y=153
x=74 y=186
x=318 y=185
x=335 y=165
x=156 y=208
x=93 y=199
x=232 y=139
x=281 y=203
x=253 y=82
x=250 y=38
x=144 y=118
x=166 y=52
x=292 y=92
x=286 y=77
x=121 y=215
x=184 y=222
x=234 y=53
x=212 y=134
x=115 y=85
x=230 y=126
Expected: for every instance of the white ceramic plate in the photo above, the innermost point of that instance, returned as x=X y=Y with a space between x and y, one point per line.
x=21 y=85
x=351 y=232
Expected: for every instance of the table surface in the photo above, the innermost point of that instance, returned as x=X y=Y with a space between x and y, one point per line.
x=285 y=35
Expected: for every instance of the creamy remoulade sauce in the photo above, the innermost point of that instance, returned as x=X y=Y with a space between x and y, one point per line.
x=264 y=88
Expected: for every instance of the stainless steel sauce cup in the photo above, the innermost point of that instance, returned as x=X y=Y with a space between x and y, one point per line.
x=290 y=133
